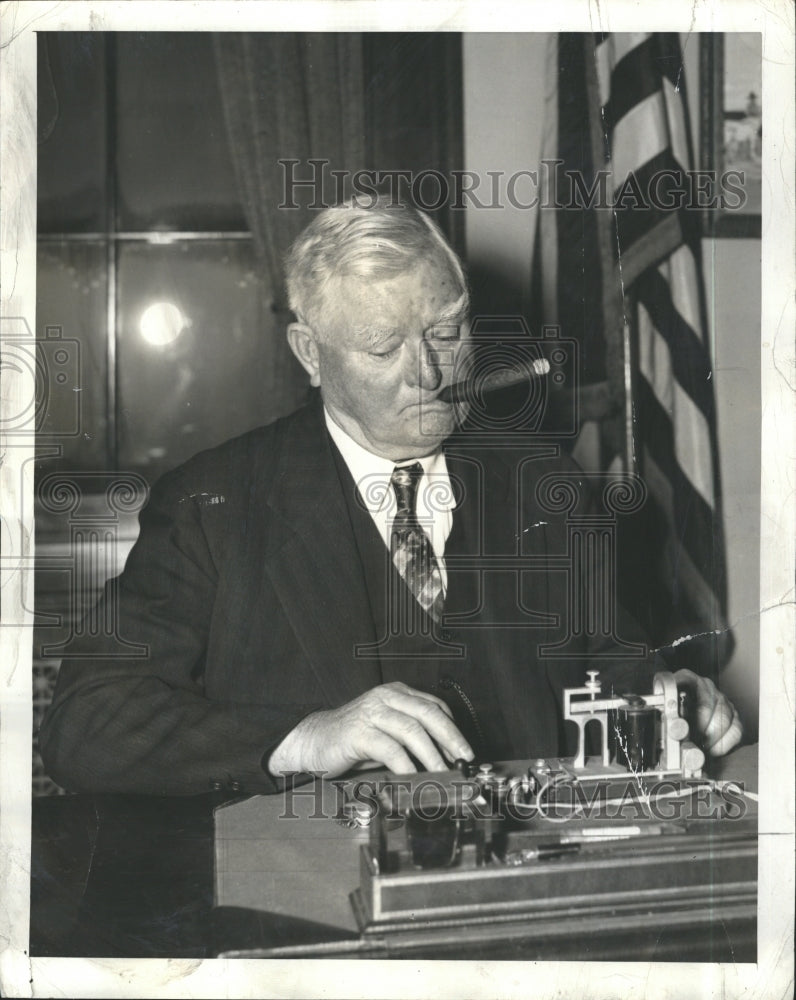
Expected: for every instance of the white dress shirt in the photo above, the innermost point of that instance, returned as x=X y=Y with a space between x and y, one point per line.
x=435 y=500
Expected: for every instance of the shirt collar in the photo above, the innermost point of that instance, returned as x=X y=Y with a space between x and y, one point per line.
x=365 y=467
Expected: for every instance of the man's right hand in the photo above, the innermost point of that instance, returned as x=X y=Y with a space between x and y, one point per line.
x=381 y=727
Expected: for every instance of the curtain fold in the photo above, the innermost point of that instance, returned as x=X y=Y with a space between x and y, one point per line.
x=287 y=96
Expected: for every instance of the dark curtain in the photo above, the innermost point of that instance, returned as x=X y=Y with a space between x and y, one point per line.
x=413 y=114
x=375 y=101
x=286 y=96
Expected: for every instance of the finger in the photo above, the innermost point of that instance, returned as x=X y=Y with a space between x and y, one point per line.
x=389 y=753
x=366 y=765
x=450 y=759
x=405 y=689
x=437 y=723
x=439 y=702
x=719 y=718
x=707 y=694
x=709 y=712
x=729 y=739
x=411 y=733
x=436 y=717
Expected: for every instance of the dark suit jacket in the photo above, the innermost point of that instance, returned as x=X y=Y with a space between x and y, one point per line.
x=249 y=589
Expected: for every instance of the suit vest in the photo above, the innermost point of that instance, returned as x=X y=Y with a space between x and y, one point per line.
x=460 y=665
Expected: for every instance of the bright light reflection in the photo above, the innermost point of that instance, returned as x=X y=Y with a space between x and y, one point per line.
x=161 y=323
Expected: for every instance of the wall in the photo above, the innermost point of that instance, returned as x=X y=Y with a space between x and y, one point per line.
x=504 y=87
x=504 y=82
x=732 y=279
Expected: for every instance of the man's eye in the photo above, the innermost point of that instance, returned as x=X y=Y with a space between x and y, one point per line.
x=444 y=332
x=382 y=355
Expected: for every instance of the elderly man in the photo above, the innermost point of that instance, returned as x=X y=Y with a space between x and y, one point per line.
x=309 y=594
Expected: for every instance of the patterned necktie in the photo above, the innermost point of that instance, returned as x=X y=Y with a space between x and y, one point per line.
x=412 y=553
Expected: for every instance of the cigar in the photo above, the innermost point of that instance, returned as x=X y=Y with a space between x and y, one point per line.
x=501 y=378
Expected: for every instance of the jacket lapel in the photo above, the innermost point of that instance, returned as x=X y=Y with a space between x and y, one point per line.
x=313 y=562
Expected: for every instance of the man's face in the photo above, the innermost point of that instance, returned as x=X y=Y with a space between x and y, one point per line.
x=387 y=349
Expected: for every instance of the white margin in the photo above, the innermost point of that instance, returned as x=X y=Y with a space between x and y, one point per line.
x=772 y=977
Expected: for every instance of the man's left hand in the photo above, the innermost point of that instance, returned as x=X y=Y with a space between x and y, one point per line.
x=719 y=727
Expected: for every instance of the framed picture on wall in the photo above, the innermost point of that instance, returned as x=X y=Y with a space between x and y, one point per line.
x=732 y=131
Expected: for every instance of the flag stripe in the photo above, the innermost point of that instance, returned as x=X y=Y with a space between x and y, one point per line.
x=678 y=129
x=647 y=129
x=651 y=200
x=691 y=431
x=669 y=58
x=678 y=565
x=634 y=222
x=688 y=360
x=692 y=516
x=609 y=51
x=639 y=137
x=634 y=78
x=680 y=271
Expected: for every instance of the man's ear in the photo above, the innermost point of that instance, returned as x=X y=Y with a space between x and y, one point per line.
x=302 y=343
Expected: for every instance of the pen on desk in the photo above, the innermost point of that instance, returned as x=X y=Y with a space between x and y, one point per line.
x=597 y=834
x=541 y=852
x=571 y=843
x=501 y=378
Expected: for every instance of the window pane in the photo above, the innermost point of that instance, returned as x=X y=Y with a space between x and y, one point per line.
x=71 y=132
x=174 y=167
x=194 y=360
x=70 y=328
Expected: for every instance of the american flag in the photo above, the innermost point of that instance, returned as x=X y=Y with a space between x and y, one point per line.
x=624 y=279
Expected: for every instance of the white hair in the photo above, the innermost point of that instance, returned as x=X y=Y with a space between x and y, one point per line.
x=376 y=241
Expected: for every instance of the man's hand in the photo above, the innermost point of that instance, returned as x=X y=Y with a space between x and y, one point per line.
x=718 y=725
x=381 y=727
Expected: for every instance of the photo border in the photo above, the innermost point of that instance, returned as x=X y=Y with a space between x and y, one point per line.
x=21 y=975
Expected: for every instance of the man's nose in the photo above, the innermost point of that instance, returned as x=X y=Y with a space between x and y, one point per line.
x=425 y=370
